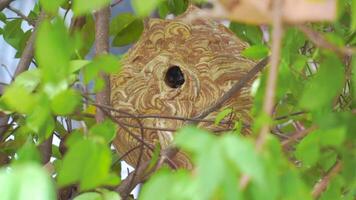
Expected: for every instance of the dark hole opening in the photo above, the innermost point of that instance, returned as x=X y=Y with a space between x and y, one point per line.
x=174 y=77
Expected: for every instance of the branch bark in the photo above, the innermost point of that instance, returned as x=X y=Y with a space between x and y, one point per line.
x=270 y=92
x=4 y=4
x=23 y=65
x=102 y=20
x=320 y=187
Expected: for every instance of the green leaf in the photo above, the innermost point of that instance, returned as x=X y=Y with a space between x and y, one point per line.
x=102 y=194
x=76 y=65
x=176 y=185
x=353 y=15
x=131 y=33
x=12 y=33
x=87 y=163
x=65 y=102
x=193 y=139
x=249 y=33
x=19 y=99
x=177 y=7
x=144 y=9
x=308 y=150
x=106 y=130
x=81 y=7
x=24 y=181
x=326 y=84
x=28 y=79
x=333 y=136
x=120 y=22
x=28 y=153
x=221 y=115
x=255 y=52
x=51 y=6
x=53 y=51
x=40 y=120
x=103 y=63
x=3 y=17
x=241 y=152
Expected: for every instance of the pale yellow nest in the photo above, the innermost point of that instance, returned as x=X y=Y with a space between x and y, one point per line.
x=178 y=68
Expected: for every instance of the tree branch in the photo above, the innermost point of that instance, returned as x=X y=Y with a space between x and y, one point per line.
x=102 y=20
x=23 y=65
x=20 y=14
x=268 y=103
x=320 y=41
x=320 y=187
x=234 y=89
x=4 y=4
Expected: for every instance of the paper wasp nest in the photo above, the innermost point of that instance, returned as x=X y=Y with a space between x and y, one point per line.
x=178 y=68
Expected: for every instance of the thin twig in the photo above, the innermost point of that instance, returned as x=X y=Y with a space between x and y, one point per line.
x=320 y=187
x=20 y=14
x=319 y=40
x=28 y=52
x=297 y=136
x=234 y=89
x=271 y=80
x=24 y=63
x=116 y=2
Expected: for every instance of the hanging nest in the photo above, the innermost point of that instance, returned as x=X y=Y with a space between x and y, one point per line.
x=178 y=68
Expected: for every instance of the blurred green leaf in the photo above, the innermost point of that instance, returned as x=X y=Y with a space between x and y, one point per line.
x=176 y=185
x=249 y=33
x=87 y=163
x=81 y=7
x=255 y=52
x=221 y=115
x=326 y=84
x=242 y=154
x=65 y=102
x=102 y=194
x=19 y=99
x=106 y=130
x=333 y=136
x=40 y=120
x=25 y=181
x=53 y=51
x=308 y=150
x=51 y=6
x=144 y=9
x=28 y=153
x=353 y=15
x=28 y=79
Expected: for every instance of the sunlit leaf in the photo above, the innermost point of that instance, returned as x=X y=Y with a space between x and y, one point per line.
x=24 y=181
x=87 y=163
x=255 y=52
x=221 y=115
x=144 y=9
x=106 y=130
x=51 y=6
x=65 y=102
x=81 y=7
x=53 y=51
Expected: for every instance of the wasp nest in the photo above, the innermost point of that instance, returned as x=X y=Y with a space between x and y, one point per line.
x=179 y=67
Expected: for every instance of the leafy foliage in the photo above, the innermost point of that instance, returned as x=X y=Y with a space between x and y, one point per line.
x=313 y=125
